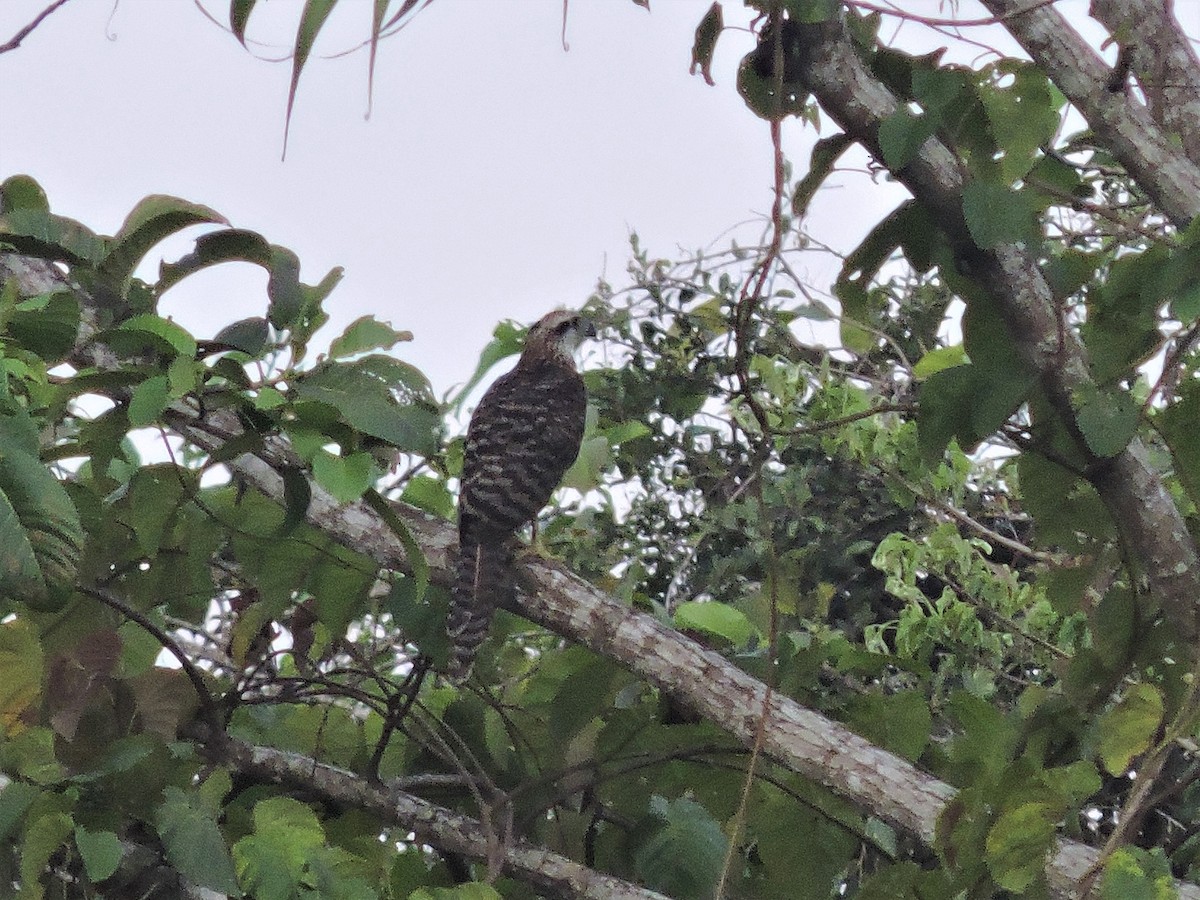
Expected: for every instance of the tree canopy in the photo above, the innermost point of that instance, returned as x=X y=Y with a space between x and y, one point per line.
x=914 y=616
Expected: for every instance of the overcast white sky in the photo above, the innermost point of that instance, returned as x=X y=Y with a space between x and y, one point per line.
x=497 y=177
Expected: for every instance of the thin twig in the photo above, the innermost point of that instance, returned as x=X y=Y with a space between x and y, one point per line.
x=16 y=39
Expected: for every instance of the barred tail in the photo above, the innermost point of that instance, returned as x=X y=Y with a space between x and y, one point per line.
x=483 y=581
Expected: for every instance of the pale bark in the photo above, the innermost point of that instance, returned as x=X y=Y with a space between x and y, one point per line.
x=1151 y=152
x=1151 y=526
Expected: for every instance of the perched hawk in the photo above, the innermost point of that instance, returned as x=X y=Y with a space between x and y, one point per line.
x=522 y=438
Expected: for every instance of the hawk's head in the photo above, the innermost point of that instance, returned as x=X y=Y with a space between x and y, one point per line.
x=557 y=335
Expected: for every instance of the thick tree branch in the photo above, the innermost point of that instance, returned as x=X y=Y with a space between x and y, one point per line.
x=1163 y=61
x=549 y=873
x=1129 y=486
x=1148 y=152
x=876 y=781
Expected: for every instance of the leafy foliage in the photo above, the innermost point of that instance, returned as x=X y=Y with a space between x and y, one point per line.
x=906 y=534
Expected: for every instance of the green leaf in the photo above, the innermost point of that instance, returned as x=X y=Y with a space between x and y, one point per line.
x=194 y=843
x=46 y=325
x=1132 y=873
x=1127 y=730
x=413 y=553
x=714 y=618
x=100 y=851
x=21 y=667
x=271 y=862
x=227 y=245
x=898 y=722
x=247 y=335
x=683 y=857
x=583 y=695
x=705 y=42
x=429 y=494
x=160 y=333
x=239 y=18
x=1177 y=423
x=345 y=477
x=825 y=154
x=153 y=219
x=364 y=334
x=40 y=531
x=475 y=890
x=996 y=215
x=35 y=232
x=1017 y=845
x=901 y=135
x=22 y=192
x=361 y=393
x=939 y=358
x=1107 y=420
x=507 y=340
x=43 y=837
x=149 y=399
x=594 y=458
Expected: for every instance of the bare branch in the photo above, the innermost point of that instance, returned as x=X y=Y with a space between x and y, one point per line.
x=15 y=41
x=445 y=829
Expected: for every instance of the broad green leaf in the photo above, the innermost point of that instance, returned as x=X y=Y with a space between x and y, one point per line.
x=1132 y=873
x=413 y=554
x=1128 y=729
x=1022 y=117
x=345 y=477
x=194 y=843
x=773 y=821
x=21 y=666
x=40 y=531
x=16 y=798
x=1017 y=845
x=996 y=215
x=162 y=333
x=43 y=837
x=898 y=722
x=365 y=334
x=153 y=219
x=1178 y=426
x=361 y=394
x=683 y=857
x=22 y=192
x=429 y=494
x=939 y=358
x=148 y=401
x=714 y=618
x=284 y=288
x=475 y=890
x=38 y=233
x=247 y=335
x=901 y=135
x=1107 y=420
x=583 y=695
x=595 y=457
x=100 y=851
x=227 y=245
x=47 y=325
x=271 y=862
